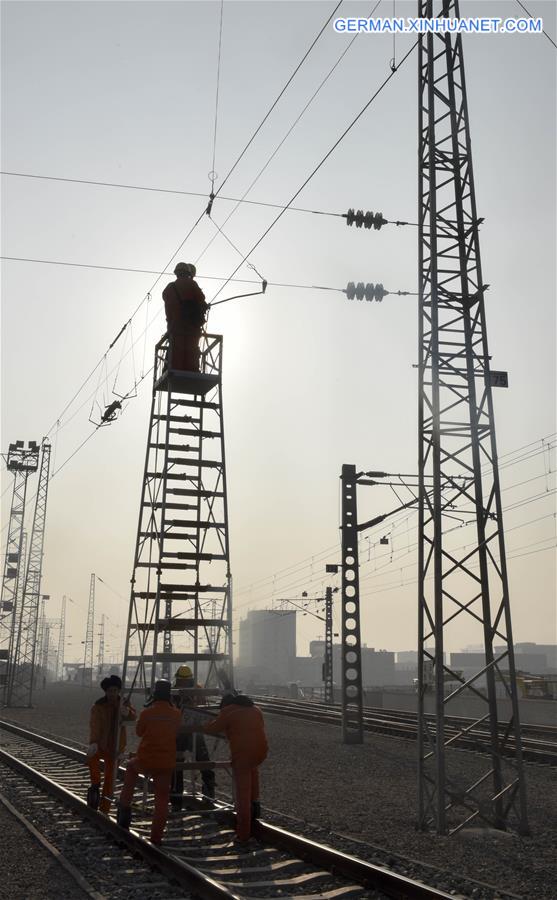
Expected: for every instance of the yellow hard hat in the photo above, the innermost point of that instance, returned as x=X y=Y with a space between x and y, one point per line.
x=183 y=672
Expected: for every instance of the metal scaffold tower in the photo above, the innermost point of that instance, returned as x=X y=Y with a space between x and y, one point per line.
x=181 y=604
x=22 y=462
x=21 y=673
x=87 y=674
x=457 y=438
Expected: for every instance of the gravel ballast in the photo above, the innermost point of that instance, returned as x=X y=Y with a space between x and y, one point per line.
x=27 y=866
x=365 y=792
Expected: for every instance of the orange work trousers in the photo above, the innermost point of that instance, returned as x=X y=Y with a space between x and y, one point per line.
x=184 y=352
x=246 y=790
x=108 y=781
x=161 y=784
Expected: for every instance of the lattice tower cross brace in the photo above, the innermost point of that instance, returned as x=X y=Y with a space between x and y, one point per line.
x=457 y=438
x=87 y=679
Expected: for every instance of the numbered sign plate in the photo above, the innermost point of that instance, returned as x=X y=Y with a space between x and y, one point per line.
x=499 y=379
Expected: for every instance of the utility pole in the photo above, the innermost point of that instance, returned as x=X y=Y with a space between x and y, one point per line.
x=351 y=653
x=458 y=586
x=20 y=687
x=22 y=462
x=87 y=676
x=100 y=655
x=61 y=642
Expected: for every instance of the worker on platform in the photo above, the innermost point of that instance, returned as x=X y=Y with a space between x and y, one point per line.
x=157 y=727
x=185 y=308
x=242 y=724
x=105 y=720
x=186 y=700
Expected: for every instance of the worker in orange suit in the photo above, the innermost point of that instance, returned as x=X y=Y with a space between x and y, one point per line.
x=185 y=308
x=157 y=727
x=104 y=744
x=242 y=724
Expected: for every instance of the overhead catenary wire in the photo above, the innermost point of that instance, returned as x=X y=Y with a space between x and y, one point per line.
x=213 y=173
x=549 y=38
x=322 y=162
x=286 y=136
x=279 y=95
x=156 y=190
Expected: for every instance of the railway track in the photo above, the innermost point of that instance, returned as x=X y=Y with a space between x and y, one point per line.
x=541 y=748
x=47 y=780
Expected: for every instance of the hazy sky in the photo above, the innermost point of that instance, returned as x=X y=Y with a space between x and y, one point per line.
x=125 y=92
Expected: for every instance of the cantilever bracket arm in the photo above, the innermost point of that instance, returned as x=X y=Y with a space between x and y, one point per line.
x=378 y=519
x=238 y=296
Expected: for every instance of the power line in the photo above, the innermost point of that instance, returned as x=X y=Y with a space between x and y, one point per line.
x=58 y=262
x=288 y=83
x=136 y=187
x=286 y=136
x=550 y=39
x=213 y=174
x=321 y=163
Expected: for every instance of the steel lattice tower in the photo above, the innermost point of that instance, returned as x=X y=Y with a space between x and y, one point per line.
x=457 y=438
x=61 y=642
x=87 y=676
x=20 y=679
x=100 y=654
x=181 y=603
x=22 y=463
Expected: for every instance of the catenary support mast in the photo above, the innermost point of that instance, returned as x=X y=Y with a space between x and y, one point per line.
x=21 y=680
x=458 y=586
x=22 y=462
x=181 y=604
x=87 y=675
x=61 y=642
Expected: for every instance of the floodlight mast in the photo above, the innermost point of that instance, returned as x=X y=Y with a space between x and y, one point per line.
x=457 y=430
x=22 y=462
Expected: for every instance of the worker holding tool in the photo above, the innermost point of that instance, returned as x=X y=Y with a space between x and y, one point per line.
x=242 y=724
x=185 y=308
x=186 y=700
x=107 y=740
x=157 y=727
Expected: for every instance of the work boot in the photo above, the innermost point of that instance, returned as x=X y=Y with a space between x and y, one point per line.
x=94 y=796
x=209 y=791
x=105 y=805
x=124 y=817
x=255 y=810
x=176 y=802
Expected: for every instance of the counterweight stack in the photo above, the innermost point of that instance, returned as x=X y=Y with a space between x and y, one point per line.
x=461 y=588
x=180 y=604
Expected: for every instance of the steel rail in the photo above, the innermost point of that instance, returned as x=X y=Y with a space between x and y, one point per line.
x=366 y=874
x=171 y=866
x=539 y=751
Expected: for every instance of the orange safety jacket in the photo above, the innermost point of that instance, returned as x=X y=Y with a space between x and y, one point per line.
x=157 y=727
x=245 y=731
x=102 y=726
x=184 y=301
